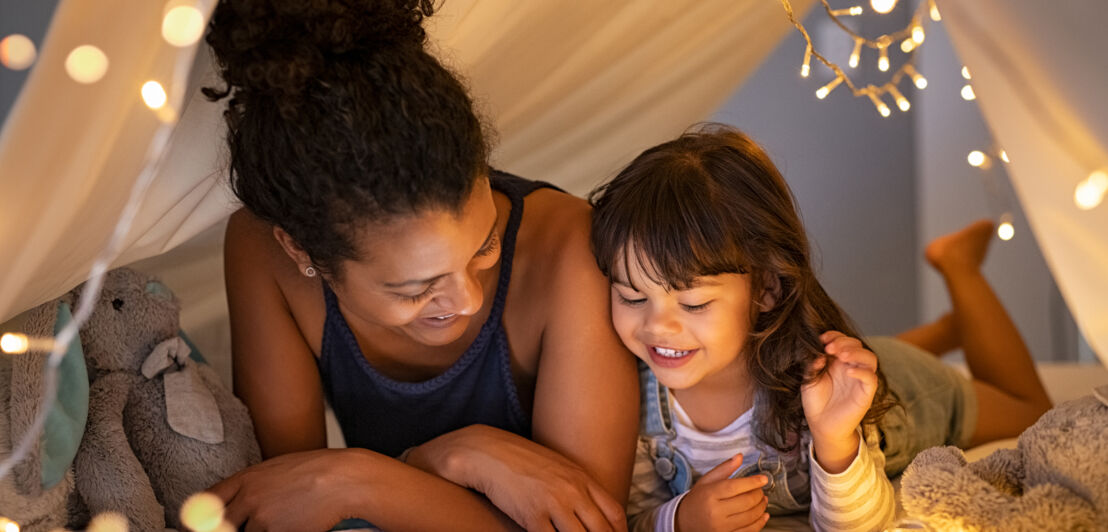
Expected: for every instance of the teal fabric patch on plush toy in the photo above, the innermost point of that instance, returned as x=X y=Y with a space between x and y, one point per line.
x=65 y=424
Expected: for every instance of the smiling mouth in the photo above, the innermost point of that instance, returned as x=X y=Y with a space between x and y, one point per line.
x=671 y=353
x=444 y=317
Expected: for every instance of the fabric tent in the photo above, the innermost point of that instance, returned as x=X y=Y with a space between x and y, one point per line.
x=574 y=90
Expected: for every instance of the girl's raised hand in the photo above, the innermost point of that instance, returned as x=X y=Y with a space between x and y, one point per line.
x=718 y=502
x=835 y=403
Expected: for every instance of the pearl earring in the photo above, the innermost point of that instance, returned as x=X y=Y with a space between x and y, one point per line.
x=309 y=271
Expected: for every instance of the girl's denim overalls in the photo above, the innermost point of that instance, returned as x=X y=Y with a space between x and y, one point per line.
x=674 y=468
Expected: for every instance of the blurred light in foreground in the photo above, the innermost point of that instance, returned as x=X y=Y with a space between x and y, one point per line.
x=153 y=94
x=1004 y=156
x=182 y=25
x=86 y=64
x=1005 y=230
x=967 y=93
x=965 y=73
x=108 y=522
x=14 y=344
x=17 y=52
x=882 y=6
x=1090 y=192
x=202 y=512
x=9 y=525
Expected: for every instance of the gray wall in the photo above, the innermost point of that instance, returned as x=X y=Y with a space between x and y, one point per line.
x=851 y=171
x=30 y=18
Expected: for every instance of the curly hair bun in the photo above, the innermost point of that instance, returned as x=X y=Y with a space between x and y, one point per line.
x=278 y=46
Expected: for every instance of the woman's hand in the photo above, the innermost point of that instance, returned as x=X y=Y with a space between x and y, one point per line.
x=835 y=403
x=535 y=486
x=303 y=491
x=718 y=502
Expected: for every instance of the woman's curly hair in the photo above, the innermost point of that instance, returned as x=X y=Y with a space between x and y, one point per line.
x=711 y=202
x=339 y=117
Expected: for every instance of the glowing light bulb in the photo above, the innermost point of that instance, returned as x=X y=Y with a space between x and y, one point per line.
x=883 y=61
x=153 y=94
x=17 y=52
x=86 y=64
x=202 y=512
x=967 y=93
x=965 y=73
x=108 y=522
x=806 y=68
x=1004 y=156
x=917 y=34
x=1090 y=192
x=977 y=158
x=907 y=45
x=880 y=105
x=856 y=53
x=826 y=89
x=9 y=525
x=901 y=101
x=1005 y=231
x=182 y=24
x=849 y=12
x=935 y=12
x=882 y=6
x=917 y=78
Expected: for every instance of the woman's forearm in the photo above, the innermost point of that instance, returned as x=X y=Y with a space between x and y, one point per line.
x=403 y=497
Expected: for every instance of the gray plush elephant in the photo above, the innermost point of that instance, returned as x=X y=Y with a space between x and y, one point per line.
x=160 y=425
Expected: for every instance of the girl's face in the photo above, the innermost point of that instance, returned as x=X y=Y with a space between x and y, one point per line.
x=420 y=277
x=685 y=336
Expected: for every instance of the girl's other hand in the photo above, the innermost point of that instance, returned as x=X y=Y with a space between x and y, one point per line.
x=718 y=502
x=836 y=401
x=538 y=488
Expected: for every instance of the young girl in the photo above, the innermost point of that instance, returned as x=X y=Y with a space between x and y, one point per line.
x=757 y=394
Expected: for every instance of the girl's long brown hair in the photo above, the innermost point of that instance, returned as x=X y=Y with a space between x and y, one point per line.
x=712 y=202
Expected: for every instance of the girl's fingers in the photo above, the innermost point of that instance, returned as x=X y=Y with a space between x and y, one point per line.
x=734 y=487
x=756 y=525
x=841 y=343
x=745 y=502
x=592 y=519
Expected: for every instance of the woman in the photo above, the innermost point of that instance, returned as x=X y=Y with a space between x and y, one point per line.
x=448 y=312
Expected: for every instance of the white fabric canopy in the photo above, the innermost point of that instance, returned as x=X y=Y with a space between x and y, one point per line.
x=1040 y=75
x=574 y=89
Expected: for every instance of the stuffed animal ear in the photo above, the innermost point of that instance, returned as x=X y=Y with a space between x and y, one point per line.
x=57 y=446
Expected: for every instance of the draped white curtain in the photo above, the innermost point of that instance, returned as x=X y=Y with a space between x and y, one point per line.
x=1041 y=75
x=574 y=88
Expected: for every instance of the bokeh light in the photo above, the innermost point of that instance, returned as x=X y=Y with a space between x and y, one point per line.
x=182 y=25
x=86 y=64
x=17 y=52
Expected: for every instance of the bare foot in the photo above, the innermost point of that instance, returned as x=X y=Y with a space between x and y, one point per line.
x=961 y=250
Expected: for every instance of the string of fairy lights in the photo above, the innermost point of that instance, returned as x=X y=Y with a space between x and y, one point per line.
x=1088 y=193
x=183 y=24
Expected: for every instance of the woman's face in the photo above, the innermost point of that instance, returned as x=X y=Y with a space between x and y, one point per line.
x=419 y=275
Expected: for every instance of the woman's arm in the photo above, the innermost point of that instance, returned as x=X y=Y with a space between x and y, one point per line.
x=275 y=373
x=587 y=393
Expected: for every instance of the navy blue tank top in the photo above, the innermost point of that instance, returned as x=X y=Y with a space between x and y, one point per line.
x=389 y=416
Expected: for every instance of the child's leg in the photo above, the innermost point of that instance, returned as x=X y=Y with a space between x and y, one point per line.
x=1010 y=396
x=937 y=337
